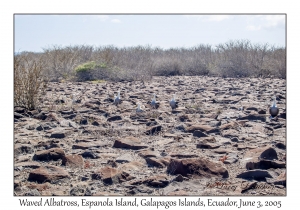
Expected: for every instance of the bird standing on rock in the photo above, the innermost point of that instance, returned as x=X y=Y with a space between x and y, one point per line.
x=274 y=109
x=173 y=102
x=154 y=104
x=139 y=109
x=73 y=99
x=117 y=99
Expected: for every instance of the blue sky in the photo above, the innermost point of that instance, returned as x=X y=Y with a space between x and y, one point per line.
x=35 y=32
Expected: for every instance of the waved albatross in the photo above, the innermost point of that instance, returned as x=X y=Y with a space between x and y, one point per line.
x=117 y=99
x=139 y=109
x=154 y=104
x=274 y=109
x=173 y=102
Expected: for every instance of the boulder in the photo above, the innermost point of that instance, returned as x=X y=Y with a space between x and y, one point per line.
x=197 y=166
x=129 y=143
x=47 y=173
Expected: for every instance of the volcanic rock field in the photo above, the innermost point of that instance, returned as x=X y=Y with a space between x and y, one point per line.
x=219 y=141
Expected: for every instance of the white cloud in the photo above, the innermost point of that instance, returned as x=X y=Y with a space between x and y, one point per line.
x=115 y=21
x=259 y=22
x=274 y=20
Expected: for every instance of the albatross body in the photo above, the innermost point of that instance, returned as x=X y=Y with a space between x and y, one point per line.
x=274 y=109
x=174 y=103
x=139 y=109
x=117 y=99
x=154 y=104
x=73 y=99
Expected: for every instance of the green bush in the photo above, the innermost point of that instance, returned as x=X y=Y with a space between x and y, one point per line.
x=89 y=66
x=91 y=71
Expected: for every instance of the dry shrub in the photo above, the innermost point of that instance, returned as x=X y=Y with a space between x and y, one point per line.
x=117 y=64
x=240 y=58
x=28 y=80
x=237 y=58
x=61 y=61
x=167 y=67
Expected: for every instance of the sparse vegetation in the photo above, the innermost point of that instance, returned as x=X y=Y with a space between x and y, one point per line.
x=108 y=63
x=29 y=81
x=238 y=58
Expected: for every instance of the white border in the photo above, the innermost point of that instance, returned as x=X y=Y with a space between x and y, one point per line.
x=8 y=8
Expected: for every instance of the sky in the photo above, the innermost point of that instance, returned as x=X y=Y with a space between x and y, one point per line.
x=37 y=32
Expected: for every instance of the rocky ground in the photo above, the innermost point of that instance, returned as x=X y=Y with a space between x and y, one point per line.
x=219 y=141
